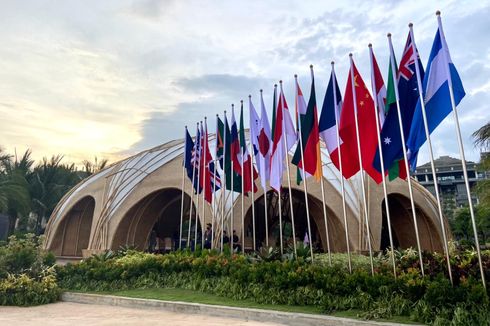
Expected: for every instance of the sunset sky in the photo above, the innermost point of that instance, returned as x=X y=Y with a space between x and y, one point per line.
x=111 y=78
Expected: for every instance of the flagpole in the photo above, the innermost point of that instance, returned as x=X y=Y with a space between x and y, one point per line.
x=291 y=209
x=243 y=197
x=323 y=193
x=289 y=188
x=252 y=182
x=206 y=167
x=461 y=147
x=431 y=153
x=354 y=98
x=183 y=190
x=344 y=210
x=230 y=236
x=215 y=214
x=192 y=193
x=380 y=148
x=198 y=182
x=243 y=185
x=305 y=186
x=402 y=135
x=223 y=205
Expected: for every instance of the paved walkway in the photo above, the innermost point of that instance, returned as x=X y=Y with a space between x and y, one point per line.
x=68 y=313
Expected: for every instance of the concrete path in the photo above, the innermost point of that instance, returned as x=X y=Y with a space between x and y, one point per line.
x=73 y=314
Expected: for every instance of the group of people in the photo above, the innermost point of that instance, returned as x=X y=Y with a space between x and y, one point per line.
x=208 y=238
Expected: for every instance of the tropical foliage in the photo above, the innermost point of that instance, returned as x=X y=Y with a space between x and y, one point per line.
x=30 y=192
x=27 y=274
x=430 y=299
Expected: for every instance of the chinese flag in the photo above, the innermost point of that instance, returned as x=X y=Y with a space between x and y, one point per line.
x=367 y=128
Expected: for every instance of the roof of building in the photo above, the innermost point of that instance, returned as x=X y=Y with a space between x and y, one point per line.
x=444 y=161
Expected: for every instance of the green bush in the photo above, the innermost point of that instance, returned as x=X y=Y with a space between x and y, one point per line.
x=27 y=274
x=429 y=299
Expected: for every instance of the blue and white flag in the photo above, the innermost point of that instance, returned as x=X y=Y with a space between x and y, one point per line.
x=436 y=95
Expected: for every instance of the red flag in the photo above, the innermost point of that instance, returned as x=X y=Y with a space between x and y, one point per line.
x=367 y=128
x=205 y=176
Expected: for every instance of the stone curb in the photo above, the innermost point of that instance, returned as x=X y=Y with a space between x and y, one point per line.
x=286 y=318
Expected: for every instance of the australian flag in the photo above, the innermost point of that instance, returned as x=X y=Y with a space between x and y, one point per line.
x=391 y=141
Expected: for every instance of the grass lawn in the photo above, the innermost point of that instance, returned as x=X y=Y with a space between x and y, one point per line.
x=184 y=295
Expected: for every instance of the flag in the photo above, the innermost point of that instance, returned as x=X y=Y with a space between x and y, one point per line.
x=265 y=144
x=308 y=118
x=436 y=95
x=329 y=117
x=391 y=141
x=248 y=170
x=397 y=168
x=380 y=89
x=195 y=160
x=220 y=144
x=207 y=177
x=260 y=142
x=367 y=124
x=189 y=145
x=235 y=145
x=283 y=132
x=229 y=174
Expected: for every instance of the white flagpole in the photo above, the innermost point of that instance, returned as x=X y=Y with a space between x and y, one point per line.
x=291 y=209
x=213 y=216
x=223 y=204
x=327 y=233
x=183 y=191
x=380 y=148
x=215 y=213
x=431 y=153
x=305 y=186
x=206 y=166
x=252 y=182
x=368 y=230
x=461 y=147
x=344 y=210
x=289 y=185
x=188 y=244
x=402 y=135
x=253 y=195
x=198 y=185
x=230 y=235
x=243 y=197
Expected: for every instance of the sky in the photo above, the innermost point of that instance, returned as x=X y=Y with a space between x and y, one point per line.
x=111 y=78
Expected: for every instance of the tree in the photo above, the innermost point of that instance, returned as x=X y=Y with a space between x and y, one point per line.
x=14 y=194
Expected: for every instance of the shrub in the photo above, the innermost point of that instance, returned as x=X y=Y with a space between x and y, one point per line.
x=27 y=275
x=429 y=299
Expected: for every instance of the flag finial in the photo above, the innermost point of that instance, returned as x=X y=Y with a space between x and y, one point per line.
x=389 y=34
x=311 y=66
x=275 y=85
x=205 y=118
x=241 y=101
x=332 y=63
x=261 y=91
x=217 y=115
x=249 y=96
x=350 y=55
x=438 y=13
x=410 y=25
x=370 y=45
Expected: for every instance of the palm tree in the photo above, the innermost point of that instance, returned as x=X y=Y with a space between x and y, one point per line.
x=14 y=193
x=482 y=136
x=50 y=181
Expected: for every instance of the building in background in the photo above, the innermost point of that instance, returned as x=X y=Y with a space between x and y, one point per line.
x=450 y=178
